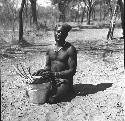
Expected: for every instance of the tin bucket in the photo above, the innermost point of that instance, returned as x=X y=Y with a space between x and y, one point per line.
x=38 y=92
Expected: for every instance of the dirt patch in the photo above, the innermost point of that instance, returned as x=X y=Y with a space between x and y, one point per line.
x=98 y=84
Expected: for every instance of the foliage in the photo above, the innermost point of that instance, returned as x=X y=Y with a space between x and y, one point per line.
x=8 y=12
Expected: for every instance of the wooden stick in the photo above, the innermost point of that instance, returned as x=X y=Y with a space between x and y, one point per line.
x=25 y=73
x=18 y=72
x=21 y=72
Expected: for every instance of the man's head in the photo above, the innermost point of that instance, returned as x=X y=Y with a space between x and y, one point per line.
x=61 y=32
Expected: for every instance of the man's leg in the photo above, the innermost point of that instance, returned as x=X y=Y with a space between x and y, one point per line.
x=61 y=92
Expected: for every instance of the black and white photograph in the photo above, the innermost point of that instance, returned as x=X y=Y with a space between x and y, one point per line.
x=62 y=60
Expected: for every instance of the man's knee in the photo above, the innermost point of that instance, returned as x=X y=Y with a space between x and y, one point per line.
x=62 y=89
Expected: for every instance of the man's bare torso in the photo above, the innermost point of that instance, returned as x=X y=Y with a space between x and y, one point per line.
x=59 y=60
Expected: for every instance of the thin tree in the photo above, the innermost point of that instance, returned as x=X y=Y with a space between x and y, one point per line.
x=90 y=4
x=21 y=21
x=62 y=6
x=33 y=6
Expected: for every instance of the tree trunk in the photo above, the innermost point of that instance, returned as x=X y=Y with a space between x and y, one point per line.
x=75 y=16
x=93 y=13
x=100 y=12
x=121 y=4
x=82 y=16
x=104 y=14
x=62 y=17
x=33 y=7
x=89 y=16
x=21 y=21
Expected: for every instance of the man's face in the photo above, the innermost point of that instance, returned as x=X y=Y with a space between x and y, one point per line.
x=60 y=35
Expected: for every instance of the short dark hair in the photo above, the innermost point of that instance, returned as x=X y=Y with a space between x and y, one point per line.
x=64 y=28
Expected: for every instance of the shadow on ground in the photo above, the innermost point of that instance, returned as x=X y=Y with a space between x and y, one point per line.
x=85 y=89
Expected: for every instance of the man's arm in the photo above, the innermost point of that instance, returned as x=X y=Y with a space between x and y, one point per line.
x=72 y=63
x=48 y=62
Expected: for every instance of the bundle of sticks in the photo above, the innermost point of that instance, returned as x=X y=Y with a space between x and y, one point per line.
x=41 y=76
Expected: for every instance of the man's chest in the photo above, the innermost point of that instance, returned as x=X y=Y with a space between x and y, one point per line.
x=61 y=55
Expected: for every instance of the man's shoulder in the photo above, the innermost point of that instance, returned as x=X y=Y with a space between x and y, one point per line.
x=71 y=48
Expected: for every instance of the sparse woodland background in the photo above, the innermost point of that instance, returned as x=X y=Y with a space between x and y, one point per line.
x=30 y=16
x=26 y=32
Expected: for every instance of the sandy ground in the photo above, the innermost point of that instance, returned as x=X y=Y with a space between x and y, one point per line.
x=99 y=81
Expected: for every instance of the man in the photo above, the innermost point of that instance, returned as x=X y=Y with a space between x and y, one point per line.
x=61 y=60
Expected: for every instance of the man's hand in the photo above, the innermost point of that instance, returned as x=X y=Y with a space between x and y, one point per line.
x=39 y=72
x=57 y=74
x=48 y=73
x=45 y=76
